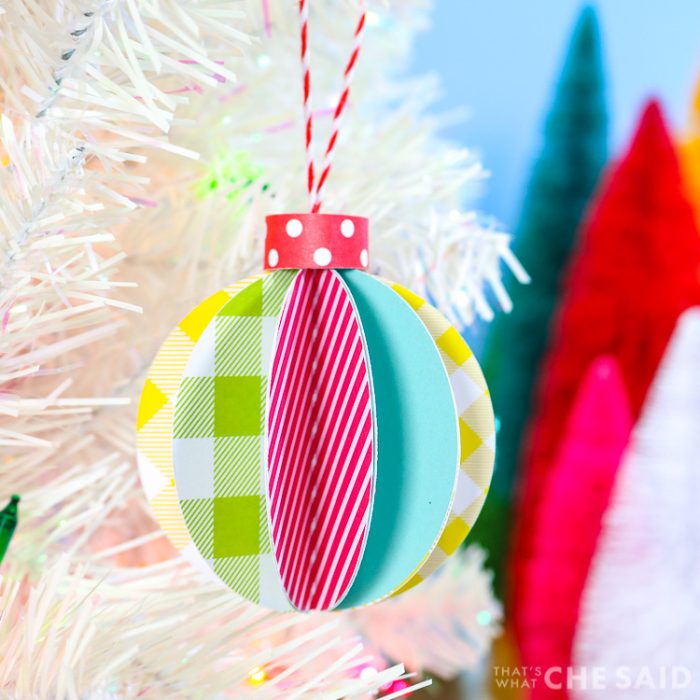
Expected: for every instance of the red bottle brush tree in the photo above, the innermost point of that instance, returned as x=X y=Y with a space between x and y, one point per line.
x=635 y=271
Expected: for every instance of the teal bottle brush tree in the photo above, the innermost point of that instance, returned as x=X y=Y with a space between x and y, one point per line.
x=573 y=153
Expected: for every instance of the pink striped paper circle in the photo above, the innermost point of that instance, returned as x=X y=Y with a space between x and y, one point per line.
x=320 y=442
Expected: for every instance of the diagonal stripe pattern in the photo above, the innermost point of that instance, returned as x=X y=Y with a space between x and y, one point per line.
x=320 y=442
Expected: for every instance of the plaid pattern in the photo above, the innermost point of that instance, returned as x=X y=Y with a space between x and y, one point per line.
x=218 y=441
x=154 y=425
x=476 y=431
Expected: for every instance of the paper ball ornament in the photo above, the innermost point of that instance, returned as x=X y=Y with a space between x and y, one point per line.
x=315 y=437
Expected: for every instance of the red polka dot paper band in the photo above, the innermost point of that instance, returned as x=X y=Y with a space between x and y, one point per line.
x=316 y=242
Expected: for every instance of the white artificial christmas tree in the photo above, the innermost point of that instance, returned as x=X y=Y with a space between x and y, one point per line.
x=142 y=144
x=641 y=609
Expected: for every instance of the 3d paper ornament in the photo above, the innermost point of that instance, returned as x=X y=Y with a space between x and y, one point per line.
x=314 y=437
x=327 y=436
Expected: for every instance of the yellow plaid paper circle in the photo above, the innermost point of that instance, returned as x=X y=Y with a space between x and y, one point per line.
x=477 y=434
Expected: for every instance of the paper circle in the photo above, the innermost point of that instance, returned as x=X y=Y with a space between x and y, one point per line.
x=219 y=443
x=320 y=442
x=154 y=424
x=417 y=436
x=477 y=431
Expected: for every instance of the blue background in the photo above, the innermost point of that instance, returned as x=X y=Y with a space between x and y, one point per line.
x=499 y=59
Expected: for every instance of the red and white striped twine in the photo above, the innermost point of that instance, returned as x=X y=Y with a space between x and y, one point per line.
x=308 y=115
x=316 y=188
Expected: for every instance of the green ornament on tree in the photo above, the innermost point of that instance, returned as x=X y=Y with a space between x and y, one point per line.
x=8 y=523
x=573 y=153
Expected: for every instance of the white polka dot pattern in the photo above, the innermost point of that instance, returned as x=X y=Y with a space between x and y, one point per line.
x=322 y=256
x=294 y=228
x=316 y=241
x=347 y=228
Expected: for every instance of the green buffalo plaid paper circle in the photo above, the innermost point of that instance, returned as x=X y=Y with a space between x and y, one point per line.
x=218 y=441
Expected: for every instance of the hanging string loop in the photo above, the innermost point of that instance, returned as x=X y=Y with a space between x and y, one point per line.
x=316 y=187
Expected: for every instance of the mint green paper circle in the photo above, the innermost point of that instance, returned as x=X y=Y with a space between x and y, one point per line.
x=417 y=440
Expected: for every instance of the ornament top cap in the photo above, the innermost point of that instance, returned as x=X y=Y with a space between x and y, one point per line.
x=316 y=242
